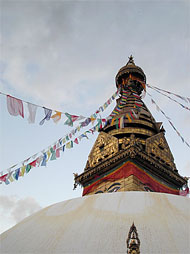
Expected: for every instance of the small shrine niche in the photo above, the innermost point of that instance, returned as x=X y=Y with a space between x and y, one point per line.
x=133 y=242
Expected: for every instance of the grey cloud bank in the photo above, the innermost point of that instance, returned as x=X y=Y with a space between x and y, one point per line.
x=61 y=48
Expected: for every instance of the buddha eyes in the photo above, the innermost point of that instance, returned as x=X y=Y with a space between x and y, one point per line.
x=112 y=188
x=99 y=192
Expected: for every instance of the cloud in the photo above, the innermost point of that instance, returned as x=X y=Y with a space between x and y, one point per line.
x=60 y=52
x=14 y=210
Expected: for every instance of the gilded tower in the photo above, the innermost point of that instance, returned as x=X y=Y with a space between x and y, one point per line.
x=131 y=152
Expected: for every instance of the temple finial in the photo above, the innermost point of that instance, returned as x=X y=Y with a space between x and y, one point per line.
x=131 y=60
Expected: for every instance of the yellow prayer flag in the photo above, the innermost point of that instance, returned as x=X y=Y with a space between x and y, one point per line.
x=97 y=127
x=92 y=119
x=22 y=171
x=56 y=117
x=11 y=178
x=48 y=155
x=68 y=145
x=128 y=118
x=112 y=121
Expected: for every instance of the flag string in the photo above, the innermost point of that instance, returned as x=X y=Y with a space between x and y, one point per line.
x=15 y=108
x=169 y=98
x=169 y=120
x=72 y=133
x=186 y=99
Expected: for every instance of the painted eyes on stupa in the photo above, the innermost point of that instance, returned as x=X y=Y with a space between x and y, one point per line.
x=114 y=187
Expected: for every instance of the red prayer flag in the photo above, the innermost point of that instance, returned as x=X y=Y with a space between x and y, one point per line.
x=15 y=106
x=57 y=153
x=3 y=178
x=76 y=141
x=33 y=163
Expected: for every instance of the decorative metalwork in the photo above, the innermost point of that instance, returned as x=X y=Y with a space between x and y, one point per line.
x=157 y=146
x=105 y=147
x=133 y=242
x=141 y=140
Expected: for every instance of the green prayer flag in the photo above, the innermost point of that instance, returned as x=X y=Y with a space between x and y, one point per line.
x=28 y=167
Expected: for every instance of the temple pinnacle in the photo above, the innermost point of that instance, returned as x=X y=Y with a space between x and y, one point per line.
x=131 y=60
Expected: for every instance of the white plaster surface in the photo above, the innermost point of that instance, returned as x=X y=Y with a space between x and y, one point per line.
x=100 y=224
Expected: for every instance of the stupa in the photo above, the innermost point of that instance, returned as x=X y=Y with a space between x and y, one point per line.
x=130 y=202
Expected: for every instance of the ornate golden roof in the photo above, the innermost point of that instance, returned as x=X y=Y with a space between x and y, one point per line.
x=130 y=67
x=131 y=133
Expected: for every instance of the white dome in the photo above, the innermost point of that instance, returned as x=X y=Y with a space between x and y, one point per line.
x=100 y=224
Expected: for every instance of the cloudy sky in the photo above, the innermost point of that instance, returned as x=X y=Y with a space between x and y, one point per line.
x=65 y=55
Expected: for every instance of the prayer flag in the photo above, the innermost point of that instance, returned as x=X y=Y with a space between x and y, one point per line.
x=86 y=122
x=39 y=159
x=69 y=120
x=112 y=121
x=121 y=122
x=92 y=119
x=72 y=118
x=15 y=106
x=83 y=136
x=69 y=144
x=128 y=118
x=56 y=117
x=3 y=178
x=53 y=155
x=28 y=167
x=7 y=182
x=16 y=174
x=57 y=153
x=76 y=140
x=22 y=171
x=33 y=163
x=134 y=113
x=117 y=123
x=47 y=117
x=11 y=178
x=48 y=155
x=32 y=112
x=44 y=160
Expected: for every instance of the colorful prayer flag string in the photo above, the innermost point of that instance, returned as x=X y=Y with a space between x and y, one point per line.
x=157 y=90
x=15 y=107
x=169 y=120
x=52 y=153
x=186 y=99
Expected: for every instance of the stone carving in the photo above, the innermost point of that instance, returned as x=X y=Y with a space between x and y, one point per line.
x=133 y=242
